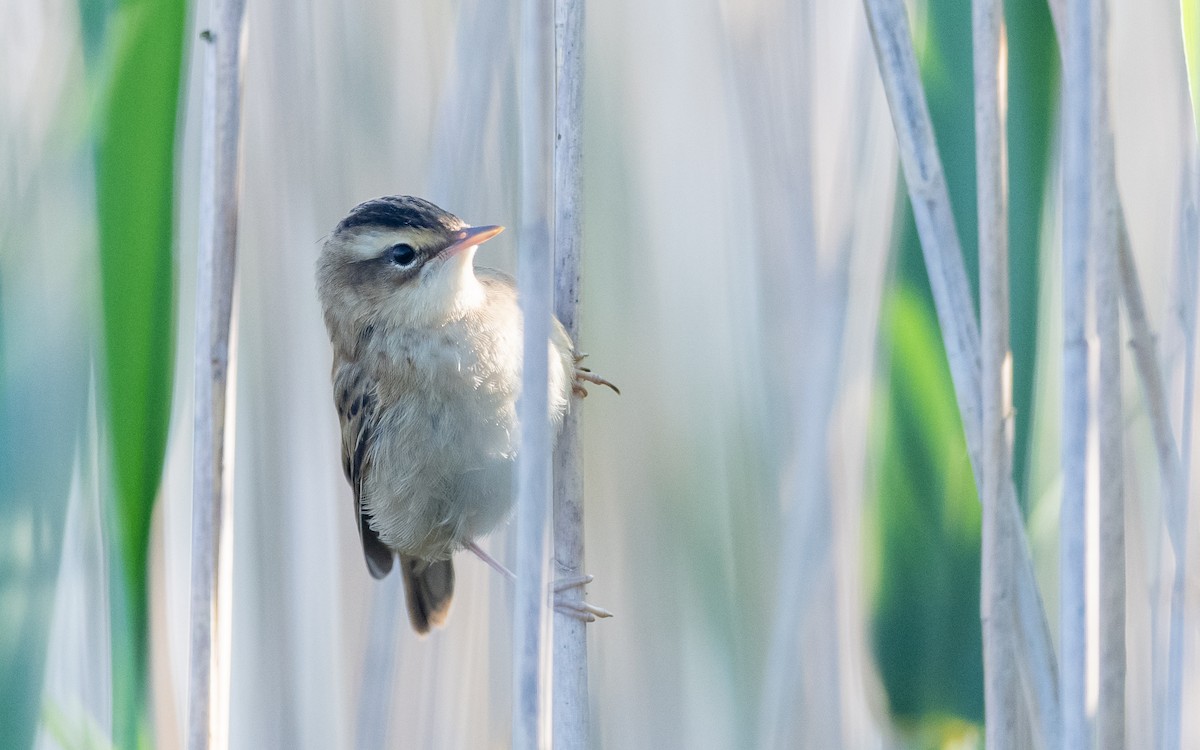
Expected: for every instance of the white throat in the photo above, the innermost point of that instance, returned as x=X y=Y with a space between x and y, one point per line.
x=445 y=289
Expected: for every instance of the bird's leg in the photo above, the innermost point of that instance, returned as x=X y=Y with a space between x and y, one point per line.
x=495 y=564
x=585 y=375
x=572 y=607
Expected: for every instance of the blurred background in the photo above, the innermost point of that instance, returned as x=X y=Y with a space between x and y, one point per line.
x=780 y=508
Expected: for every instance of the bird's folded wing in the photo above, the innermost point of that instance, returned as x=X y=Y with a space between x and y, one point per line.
x=357 y=405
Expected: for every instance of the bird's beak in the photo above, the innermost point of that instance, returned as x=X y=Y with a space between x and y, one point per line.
x=470 y=237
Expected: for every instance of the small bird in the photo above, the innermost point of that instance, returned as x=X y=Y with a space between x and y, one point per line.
x=426 y=372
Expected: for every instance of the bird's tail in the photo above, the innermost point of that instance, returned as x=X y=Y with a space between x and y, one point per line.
x=428 y=587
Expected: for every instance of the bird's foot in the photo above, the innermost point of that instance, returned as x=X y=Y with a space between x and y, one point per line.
x=585 y=375
x=577 y=608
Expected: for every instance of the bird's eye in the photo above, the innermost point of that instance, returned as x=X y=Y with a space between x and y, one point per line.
x=402 y=255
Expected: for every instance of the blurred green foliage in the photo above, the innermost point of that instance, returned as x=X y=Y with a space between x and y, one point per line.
x=1190 y=12
x=926 y=621
x=926 y=627
x=42 y=406
x=135 y=156
x=74 y=731
x=1032 y=92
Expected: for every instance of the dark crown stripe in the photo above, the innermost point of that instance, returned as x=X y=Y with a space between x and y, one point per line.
x=400 y=212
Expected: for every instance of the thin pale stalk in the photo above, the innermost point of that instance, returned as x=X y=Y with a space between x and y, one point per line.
x=807 y=544
x=773 y=63
x=1171 y=476
x=379 y=666
x=570 y=701
x=1111 y=704
x=534 y=462
x=1183 y=301
x=926 y=183
x=1078 y=178
x=482 y=46
x=1001 y=686
x=220 y=125
x=1183 y=305
x=1142 y=340
x=960 y=331
x=1110 y=710
x=1154 y=391
x=1146 y=362
x=808 y=526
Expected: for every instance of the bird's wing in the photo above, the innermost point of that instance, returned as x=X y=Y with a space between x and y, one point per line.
x=357 y=404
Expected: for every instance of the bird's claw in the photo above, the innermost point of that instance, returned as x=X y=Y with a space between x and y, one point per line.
x=577 y=608
x=580 y=610
x=562 y=584
x=584 y=375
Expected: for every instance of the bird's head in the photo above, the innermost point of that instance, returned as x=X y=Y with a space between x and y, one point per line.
x=402 y=261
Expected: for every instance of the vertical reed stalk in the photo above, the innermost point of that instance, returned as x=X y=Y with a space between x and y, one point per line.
x=1105 y=227
x=534 y=463
x=1001 y=689
x=1149 y=369
x=1172 y=472
x=1183 y=308
x=1078 y=178
x=570 y=701
x=220 y=128
x=807 y=537
x=772 y=59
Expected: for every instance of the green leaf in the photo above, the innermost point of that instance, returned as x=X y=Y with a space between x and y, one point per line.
x=926 y=613
x=135 y=148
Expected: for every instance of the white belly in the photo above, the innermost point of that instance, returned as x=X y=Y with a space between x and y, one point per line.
x=441 y=465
